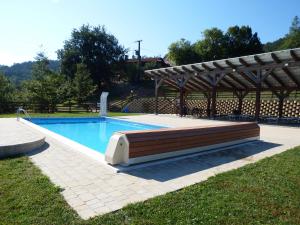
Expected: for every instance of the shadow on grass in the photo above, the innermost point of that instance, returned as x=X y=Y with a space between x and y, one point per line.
x=177 y=168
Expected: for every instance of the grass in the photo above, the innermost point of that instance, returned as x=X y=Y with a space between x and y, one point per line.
x=67 y=114
x=267 y=192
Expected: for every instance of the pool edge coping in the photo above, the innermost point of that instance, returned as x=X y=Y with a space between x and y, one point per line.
x=72 y=144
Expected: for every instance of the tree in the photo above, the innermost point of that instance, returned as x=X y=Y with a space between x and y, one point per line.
x=7 y=91
x=212 y=46
x=94 y=47
x=45 y=88
x=241 y=41
x=295 y=27
x=182 y=52
x=40 y=68
x=292 y=39
x=83 y=84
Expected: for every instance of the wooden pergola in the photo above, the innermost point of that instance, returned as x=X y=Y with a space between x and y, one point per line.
x=278 y=72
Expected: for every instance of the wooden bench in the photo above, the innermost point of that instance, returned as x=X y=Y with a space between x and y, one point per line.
x=132 y=147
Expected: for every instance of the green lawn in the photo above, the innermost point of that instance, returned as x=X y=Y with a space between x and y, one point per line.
x=267 y=192
x=66 y=114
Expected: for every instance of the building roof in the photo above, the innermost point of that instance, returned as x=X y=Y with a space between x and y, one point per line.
x=148 y=60
x=278 y=70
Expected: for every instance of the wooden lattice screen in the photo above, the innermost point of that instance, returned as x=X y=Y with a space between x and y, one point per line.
x=269 y=107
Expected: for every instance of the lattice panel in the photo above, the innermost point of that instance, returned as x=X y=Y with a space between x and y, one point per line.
x=193 y=103
x=225 y=107
x=248 y=107
x=291 y=108
x=268 y=107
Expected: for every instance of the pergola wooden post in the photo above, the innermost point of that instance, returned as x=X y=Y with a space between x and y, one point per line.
x=281 y=95
x=181 y=101
x=213 y=101
x=208 y=100
x=257 y=101
x=258 y=77
x=181 y=82
x=240 y=95
x=158 y=83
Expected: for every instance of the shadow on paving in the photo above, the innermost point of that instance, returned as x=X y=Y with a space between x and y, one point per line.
x=44 y=147
x=170 y=170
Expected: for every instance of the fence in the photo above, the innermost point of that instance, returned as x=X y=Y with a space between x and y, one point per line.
x=10 y=107
x=269 y=107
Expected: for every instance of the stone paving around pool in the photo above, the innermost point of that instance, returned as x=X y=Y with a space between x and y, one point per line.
x=93 y=188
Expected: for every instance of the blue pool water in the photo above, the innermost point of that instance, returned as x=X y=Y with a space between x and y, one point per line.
x=91 y=132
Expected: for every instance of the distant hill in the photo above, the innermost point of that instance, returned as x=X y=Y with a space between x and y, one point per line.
x=22 y=71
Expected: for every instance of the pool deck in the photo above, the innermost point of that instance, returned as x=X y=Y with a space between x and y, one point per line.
x=93 y=188
x=16 y=139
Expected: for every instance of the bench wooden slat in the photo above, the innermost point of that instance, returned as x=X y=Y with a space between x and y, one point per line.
x=146 y=150
x=187 y=139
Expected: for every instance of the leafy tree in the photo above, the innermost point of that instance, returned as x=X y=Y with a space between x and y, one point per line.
x=292 y=39
x=83 y=84
x=7 y=92
x=237 y=41
x=182 y=52
x=212 y=46
x=45 y=88
x=94 y=47
x=241 y=41
x=273 y=46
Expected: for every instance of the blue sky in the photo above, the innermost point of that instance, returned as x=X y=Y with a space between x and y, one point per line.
x=28 y=26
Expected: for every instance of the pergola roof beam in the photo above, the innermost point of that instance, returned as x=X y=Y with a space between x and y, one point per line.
x=278 y=79
x=230 y=64
x=243 y=62
x=291 y=76
x=229 y=82
x=258 y=60
x=178 y=71
x=237 y=80
x=186 y=70
x=202 y=82
x=196 y=69
x=200 y=85
x=294 y=56
x=275 y=58
x=217 y=65
x=206 y=67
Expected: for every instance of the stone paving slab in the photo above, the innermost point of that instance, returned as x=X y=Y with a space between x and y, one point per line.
x=93 y=188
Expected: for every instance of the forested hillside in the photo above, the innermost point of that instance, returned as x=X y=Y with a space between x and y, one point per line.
x=22 y=71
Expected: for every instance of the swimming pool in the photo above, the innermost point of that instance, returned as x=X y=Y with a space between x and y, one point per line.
x=93 y=133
